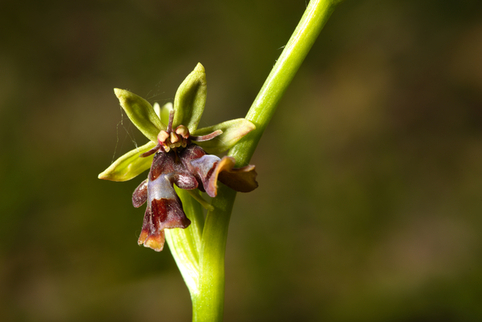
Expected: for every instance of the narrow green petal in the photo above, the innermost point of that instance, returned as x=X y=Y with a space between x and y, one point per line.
x=129 y=165
x=141 y=113
x=233 y=131
x=190 y=99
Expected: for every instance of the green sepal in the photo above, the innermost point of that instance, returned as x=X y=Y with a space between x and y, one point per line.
x=185 y=244
x=129 y=165
x=190 y=99
x=233 y=131
x=141 y=113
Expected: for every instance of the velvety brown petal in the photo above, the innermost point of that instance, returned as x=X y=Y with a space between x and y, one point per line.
x=139 y=197
x=239 y=179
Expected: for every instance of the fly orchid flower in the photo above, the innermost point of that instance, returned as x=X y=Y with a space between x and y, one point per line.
x=176 y=154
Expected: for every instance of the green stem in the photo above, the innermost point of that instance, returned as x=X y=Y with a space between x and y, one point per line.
x=315 y=17
x=208 y=305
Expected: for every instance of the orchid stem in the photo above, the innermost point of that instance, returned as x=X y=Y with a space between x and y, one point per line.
x=264 y=106
x=209 y=303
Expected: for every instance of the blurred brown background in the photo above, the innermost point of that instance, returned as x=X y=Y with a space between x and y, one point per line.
x=370 y=199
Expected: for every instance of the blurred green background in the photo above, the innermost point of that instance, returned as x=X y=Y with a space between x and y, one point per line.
x=370 y=199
